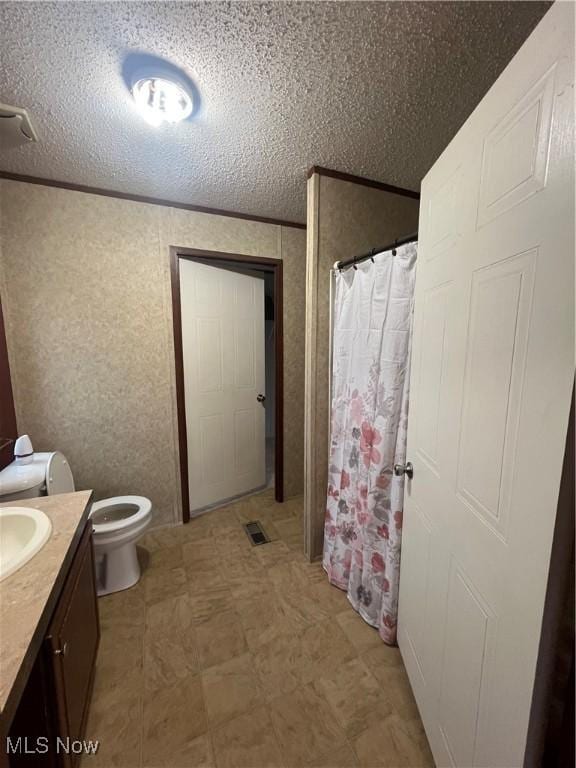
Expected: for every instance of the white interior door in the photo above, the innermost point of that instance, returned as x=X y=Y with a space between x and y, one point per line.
x=223 y=355
x=493 y=366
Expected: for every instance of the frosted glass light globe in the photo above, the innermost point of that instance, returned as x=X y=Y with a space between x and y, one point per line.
x=161 y=101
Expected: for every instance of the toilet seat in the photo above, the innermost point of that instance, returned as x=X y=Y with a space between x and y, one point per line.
x=119 y=512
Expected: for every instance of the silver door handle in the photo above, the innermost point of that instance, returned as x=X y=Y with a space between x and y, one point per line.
x=61 y=651
x=260 y=398
x=404 y=469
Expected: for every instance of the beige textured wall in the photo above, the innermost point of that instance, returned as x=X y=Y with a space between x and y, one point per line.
x=86 y=284
x=344 y=219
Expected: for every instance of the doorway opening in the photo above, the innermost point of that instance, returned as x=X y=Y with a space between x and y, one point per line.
x=228 y=342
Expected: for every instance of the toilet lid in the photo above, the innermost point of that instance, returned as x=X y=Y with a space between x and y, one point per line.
x=58 y=475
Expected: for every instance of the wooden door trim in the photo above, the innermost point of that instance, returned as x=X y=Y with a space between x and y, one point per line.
x=363 y=181
x=8 y=428
x=550 y=739
x=265 y=264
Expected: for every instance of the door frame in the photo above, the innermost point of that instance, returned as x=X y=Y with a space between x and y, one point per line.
x=264 y=265
x=8 y=428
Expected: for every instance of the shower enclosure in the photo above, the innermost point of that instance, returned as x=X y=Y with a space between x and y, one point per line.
x=372 y=325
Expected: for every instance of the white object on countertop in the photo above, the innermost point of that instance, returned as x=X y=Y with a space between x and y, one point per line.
x=23 y=450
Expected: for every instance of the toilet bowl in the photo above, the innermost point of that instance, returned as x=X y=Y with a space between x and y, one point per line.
x=118 y=522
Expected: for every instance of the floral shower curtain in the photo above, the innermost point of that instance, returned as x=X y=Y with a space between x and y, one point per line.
x=372 y=326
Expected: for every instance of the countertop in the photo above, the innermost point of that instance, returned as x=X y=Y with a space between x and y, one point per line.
x=29 y=596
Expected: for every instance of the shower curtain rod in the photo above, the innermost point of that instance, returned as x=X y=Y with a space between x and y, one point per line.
x=357 y=259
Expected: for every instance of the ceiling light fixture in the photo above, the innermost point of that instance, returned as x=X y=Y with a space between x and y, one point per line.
x=160 y=100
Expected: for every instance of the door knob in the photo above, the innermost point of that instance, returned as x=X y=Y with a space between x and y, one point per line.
x=260 y=398
x=404 y=469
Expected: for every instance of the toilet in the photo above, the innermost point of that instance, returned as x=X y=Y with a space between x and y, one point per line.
x=118 y=522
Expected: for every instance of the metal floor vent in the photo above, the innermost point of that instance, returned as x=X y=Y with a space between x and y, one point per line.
x=256 y=533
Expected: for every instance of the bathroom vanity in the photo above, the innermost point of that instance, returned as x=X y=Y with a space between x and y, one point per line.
x=49 y=632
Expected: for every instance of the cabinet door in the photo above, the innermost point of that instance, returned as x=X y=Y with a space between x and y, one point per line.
x=73 y=643
x=32 y=727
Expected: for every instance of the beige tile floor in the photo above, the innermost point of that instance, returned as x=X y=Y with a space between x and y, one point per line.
x=234 y=656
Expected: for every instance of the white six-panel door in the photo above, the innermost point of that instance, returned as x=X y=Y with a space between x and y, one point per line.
x=223 y=355
x=493 y=366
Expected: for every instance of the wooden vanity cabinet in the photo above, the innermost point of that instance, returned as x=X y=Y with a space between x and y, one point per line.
x=56 y=700
x=72 y=645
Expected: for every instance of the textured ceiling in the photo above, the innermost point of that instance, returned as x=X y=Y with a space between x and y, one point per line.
x=376 y=89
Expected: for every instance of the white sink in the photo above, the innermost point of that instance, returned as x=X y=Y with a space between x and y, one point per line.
x=23 y=532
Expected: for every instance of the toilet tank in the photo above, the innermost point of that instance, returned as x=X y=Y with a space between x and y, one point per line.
x=45 y=474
